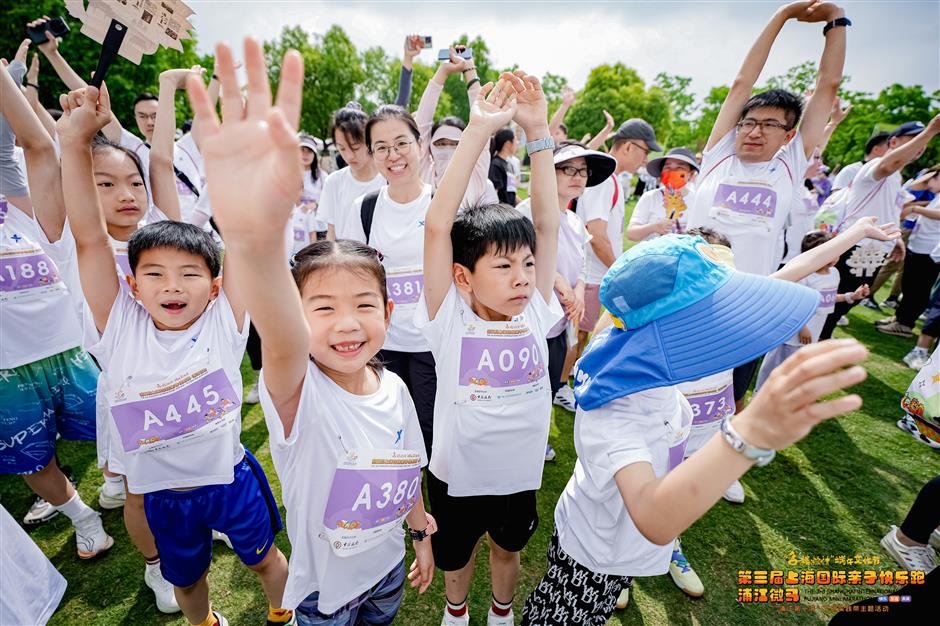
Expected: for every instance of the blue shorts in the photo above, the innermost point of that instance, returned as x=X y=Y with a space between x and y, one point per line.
x=376 y=607
x=37 y=400
x=182 y=522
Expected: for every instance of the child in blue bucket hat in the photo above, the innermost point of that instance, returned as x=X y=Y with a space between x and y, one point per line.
x=680 y=313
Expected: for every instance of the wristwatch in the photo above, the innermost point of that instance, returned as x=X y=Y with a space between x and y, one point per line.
x=839 y=21
x=760 y=456
x=545 y=143
x=418 y=535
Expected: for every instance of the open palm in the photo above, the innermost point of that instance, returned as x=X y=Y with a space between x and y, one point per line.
x=494 y=106
x=532 y=108
x=251 y=161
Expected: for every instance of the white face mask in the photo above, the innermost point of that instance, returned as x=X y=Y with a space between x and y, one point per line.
x=442 y=156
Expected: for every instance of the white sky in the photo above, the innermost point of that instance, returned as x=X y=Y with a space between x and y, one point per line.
x=890 y=41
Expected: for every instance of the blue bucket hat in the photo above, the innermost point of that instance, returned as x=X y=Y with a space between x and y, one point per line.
x=681 y=314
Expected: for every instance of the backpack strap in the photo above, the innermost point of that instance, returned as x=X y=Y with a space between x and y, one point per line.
x=367 y=212
x=616 y=191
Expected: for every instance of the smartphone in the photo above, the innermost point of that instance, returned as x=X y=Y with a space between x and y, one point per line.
x=56 y=26
x=427 y=41
x=465 y=53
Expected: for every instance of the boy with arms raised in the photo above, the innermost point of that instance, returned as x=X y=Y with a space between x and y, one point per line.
x=170 y=353
x=488 y=291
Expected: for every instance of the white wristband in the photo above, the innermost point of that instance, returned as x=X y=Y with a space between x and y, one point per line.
x=849 y=298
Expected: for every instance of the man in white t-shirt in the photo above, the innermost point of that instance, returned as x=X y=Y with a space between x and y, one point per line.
x=755 y=156
x=876 y=190
x=875 y=148
x=601 y=208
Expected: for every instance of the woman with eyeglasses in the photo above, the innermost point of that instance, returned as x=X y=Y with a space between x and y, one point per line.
x=391 y=220
x=576 y=168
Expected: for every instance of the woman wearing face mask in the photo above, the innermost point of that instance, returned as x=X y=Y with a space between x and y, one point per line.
x=662 y=211
x=439 y=139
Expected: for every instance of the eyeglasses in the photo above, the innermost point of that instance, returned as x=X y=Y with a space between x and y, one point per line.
x=645 y=150
x=572 y=171
x=147 y=116
x=400 y=147
x=748 y=124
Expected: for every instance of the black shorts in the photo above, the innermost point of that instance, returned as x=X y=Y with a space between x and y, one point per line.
x=743 y=375
x=416 y=369
x=557 y=353
x=510 y=520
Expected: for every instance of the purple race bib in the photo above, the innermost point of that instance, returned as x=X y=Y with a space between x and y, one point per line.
x=827 y=299
x=747 y=199
x=300 y=234
x=177 y=413
x=30 y=271
x=405 y=288
x=677 y=453
x=371 y=492
x=712 y=407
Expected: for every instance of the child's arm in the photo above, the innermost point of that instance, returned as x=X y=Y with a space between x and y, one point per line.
x=862 y=292
x=42 y=163
x=927 y=212
x=84 y=113
x=813 y=260
x=567 y=99
x=162 y=174
x=898 y=157
x=806 y=337
x=492 y=110
x=639 y=232
x=603 y=134
x=422 y=570
x=531 y=113
x=252 y=173
x=743 y=86
x=784 y=411
x=32 y=95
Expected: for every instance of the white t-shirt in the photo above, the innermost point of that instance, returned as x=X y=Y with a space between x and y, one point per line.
x=330 y=424
x=882 y=198
x=846 y=175
x=651 y=207
x=398 y=234
x=801 y=221
x=32 y=586
x=515 y=173
x=303 y=229
x=573 y=241
x=748 y=202
x=313 y=189
x=34 y=297
x=926 y=233
x=711 y=399
x=177 y=395
x=186 y=158
x=340 y=191
x=828 y=287
x=493 y=404
x=597 y=203
x=593 y=524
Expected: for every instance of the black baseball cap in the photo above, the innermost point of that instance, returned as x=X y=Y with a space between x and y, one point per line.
x=636 y=128
x=876 y=140
x=908 y=128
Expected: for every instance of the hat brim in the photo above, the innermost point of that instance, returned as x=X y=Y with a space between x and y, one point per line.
x=743 y=319
x=602 y=167
x=655 y=167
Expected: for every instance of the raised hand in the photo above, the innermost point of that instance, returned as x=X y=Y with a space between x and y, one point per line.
x=838 y=114
x=32 y=74
x=21 y=52
x=413 y=46
x=532 y=108
x=494 y=106
x=881 y=232
x=51 y=44
x=84 y=112
x=251 y=157
x=934 y=125
x=609 y=120
x=457 y=64
x=567 y=95
x=800 y=10
x=177 y=77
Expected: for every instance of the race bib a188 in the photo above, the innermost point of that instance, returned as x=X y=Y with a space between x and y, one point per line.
x=372 y=491
x=27 y=274
x=179 y=412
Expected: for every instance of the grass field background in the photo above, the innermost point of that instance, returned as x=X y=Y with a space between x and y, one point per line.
x=835 y=493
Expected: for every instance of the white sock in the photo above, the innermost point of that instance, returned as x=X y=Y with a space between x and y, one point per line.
x=75 y=509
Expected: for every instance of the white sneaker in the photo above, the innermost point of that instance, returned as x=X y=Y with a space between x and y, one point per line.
x=492 y=619
x=253 y=396
x=162 y=589
x=217 y=536
x=624 y=598
x=90 y=538
x=921 y=558
x=916 y=359
x=39 y=511
x=734 y=493
x=220 y=618
x=843 y=321
x=112 y=495
x=564 y=398
x=453 y=620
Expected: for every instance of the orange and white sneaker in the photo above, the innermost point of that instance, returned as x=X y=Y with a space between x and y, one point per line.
x=90 y=537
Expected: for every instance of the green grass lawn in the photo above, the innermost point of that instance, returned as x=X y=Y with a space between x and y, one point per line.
x=835 y=493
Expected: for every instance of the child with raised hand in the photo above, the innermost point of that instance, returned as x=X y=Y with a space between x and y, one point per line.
x=344 y=435
x=170 y=349
x=488 y=304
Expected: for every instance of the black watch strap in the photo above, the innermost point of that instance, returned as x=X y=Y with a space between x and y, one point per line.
x=418 y=535
x=839 y=21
